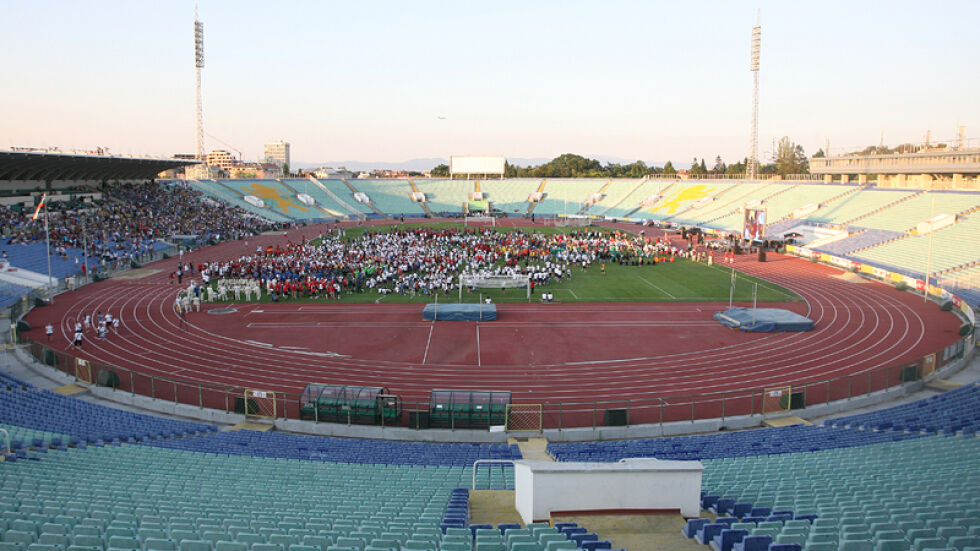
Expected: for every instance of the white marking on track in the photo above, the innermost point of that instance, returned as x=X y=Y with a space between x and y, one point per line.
x=426 y=354
x=259 y=343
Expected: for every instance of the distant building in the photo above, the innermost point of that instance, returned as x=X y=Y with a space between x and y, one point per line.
x=201 y=172
x=221 y=159
x=277 y=152
x=937 y=167
x=259 y=171
x=330 y=173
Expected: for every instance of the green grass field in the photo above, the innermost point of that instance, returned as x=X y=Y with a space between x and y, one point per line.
x=678 y=281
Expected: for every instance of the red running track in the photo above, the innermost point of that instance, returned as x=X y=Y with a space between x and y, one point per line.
x=664 y=361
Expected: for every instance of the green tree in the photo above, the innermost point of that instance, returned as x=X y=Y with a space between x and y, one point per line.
x=441 y=170
x=737 y=168
x=669 y=168
x=790 y=158
x=819 y=154
x=719 y=167
x=285 y=169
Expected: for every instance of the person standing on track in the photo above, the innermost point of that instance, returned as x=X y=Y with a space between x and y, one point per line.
x=78 y=339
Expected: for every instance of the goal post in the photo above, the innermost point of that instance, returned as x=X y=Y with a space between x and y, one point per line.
x=480 y=221
x=777 y=399
x=524 y=417
x=494 y=281
x=260 y=404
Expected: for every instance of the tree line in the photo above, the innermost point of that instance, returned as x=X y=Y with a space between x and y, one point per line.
x=789 y=159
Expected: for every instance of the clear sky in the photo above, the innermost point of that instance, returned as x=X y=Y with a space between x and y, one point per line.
x=394 y=80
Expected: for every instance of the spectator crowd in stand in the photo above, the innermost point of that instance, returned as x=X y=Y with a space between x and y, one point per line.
x=129 y=219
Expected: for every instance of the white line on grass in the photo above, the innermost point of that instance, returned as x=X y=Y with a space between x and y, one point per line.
x=655 y=287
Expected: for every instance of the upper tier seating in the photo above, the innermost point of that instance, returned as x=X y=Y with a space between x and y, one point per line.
x=215 y=189
x=624 y=196
x=857 y=204
x=278 y=198
x=340 y=189
x=566 y=196
x=324 y=202
x=862 y=239
x=905 y=215
x=510 y=196
x=392 y=197
x=952 y=246
x=446 y=196
x=681 y=196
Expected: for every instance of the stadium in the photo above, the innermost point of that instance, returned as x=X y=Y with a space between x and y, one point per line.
x=484 y=362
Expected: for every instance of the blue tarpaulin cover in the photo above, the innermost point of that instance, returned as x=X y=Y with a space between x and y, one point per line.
x=766 y=320
x=460 y=312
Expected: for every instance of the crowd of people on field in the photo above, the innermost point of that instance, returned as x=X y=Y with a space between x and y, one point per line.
x=427 y=261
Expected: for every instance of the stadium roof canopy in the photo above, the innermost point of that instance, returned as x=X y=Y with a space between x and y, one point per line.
x=31 y=165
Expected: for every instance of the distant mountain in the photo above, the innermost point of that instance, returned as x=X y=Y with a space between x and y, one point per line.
x=429 y=163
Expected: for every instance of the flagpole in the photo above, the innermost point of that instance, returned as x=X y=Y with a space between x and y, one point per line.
x=84 y=249
x=47 y=239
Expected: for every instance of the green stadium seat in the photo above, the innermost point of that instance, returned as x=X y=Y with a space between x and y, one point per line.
x=18 y=536
x=250 y=538
x=559 y=545
x=123 y=543
x=159 y=544
x=857 y=545
x=922 y=544
x=892 y=545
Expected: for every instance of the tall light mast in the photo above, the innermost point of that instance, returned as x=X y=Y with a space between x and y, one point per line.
x=752 y=167
x=198 y=65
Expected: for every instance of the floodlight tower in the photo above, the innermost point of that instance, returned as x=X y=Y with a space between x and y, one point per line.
x=198 y=65
x=752 y=167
